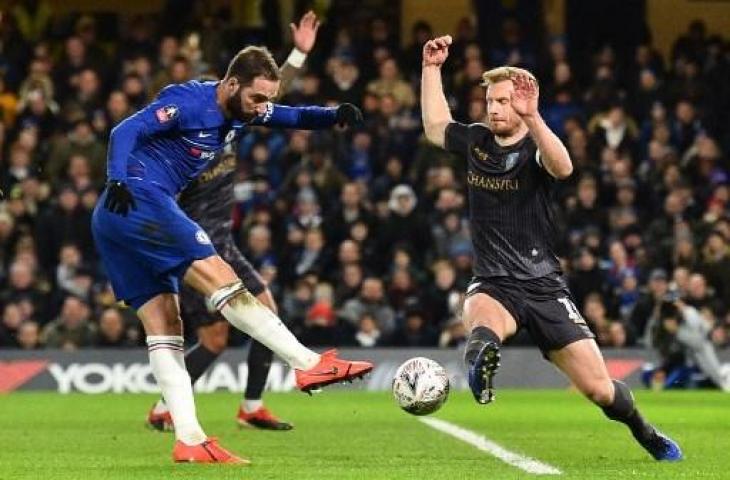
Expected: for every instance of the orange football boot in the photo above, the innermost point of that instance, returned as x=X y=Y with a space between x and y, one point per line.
x=329 y=370
x=207 y=452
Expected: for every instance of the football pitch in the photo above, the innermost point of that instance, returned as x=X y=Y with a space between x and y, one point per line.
x=345 y=434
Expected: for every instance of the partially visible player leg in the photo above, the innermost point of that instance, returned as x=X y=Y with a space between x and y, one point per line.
x=252 y=411
x=583 y=363
x=160 y=317
x=212 y=341
x=489 y=324
x=215 y=279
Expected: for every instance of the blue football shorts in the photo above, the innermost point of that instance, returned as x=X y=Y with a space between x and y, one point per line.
x=147 y=252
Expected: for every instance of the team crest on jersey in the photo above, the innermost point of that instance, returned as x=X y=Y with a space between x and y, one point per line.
x=202 y=237
x=166 y=113
x=510 y=160
x=230 y=136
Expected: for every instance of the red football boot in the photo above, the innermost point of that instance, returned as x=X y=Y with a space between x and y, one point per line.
x=160 y=421
x=329 y=370
x=207 y=452
x=261 y=418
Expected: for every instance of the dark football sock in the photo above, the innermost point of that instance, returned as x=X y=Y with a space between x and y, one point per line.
x=623 y=410
x=259 y=363
x=197 y=360
x=478 y=337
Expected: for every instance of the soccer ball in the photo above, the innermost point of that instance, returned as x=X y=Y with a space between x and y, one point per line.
x=420 y=386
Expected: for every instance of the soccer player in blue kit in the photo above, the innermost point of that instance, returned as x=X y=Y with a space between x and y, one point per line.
x=209 y=201
x=148 y=245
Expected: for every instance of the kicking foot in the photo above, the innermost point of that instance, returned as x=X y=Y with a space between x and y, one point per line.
x=481 y=373
x=207 y=452
x=261 y=418
x=329 y=370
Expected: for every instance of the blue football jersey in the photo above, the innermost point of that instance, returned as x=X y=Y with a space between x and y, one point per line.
x=169 y=142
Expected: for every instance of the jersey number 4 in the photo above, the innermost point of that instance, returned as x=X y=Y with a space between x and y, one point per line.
x=573 y=312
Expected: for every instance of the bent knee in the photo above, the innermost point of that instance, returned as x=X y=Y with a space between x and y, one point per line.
x=599 y=392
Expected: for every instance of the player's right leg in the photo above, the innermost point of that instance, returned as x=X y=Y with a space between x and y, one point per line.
x=489 y=324
x=215 y=279
x=140 y=253
x=160 y=317
x=212 y=341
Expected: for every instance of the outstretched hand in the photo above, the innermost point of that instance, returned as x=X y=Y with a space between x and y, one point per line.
x=436 y=51
x=305 y=33
x=525 y=95
x=348 y=115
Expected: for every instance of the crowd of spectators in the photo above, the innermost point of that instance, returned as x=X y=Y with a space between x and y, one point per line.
x=363 y=235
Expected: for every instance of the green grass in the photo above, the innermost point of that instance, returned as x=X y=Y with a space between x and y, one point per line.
x=353 y=435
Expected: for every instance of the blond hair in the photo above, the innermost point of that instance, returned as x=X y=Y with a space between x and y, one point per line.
x=500 y=74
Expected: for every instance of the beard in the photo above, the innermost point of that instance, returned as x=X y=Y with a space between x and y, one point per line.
x=234 y=105
x=504 y=129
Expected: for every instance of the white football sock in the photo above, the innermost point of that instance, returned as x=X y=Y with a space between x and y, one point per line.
x=252 y=317
x=250 y=406
x=168 y=366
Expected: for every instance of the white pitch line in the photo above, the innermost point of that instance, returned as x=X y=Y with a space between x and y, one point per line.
x=529 y=465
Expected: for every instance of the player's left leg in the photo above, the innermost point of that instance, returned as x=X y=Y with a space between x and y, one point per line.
x=583 y=363
x=215 y=279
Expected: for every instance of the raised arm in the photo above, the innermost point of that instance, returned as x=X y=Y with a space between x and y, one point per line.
x=304 y=36
x=435 y=110
x=554 y=156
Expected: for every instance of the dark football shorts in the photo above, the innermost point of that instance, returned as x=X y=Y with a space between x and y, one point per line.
x=192 y=304
x=549 y=314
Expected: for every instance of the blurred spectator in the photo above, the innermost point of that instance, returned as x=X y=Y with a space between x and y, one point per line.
x=350 y=209
x=344 y=85
x=23 y=286
x=389 y=82
x=404 y=223
x=681 y=337
x=349 y=283
x=11 y=320
x=654 y=294
x=596 y=316
x=370 y=300
x=442 y=296
x=72 y=328
x=112 y=331
x=368 y=334
x=415 y=331
x=320 y=323
x=68 y=222
x=29 y=336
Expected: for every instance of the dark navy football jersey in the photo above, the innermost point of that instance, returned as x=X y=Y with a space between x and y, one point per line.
x=510 y=210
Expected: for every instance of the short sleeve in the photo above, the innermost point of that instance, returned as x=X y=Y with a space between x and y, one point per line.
x=457 y=138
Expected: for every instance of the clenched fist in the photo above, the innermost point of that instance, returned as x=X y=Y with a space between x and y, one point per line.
x=436 y=51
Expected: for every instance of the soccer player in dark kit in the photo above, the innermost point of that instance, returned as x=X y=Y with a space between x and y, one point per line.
x=208 y=200
x=512 y=162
